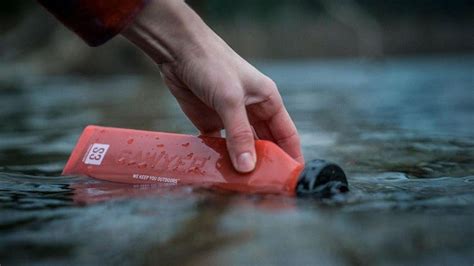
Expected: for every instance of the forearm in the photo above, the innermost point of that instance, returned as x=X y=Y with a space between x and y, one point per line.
x=169 y=30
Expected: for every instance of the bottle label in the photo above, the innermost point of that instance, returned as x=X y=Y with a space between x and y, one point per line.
x=155 y=178
x=96 y=154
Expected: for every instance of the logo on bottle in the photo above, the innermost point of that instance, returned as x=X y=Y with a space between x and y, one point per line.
x=163 y=161
x=96 y=154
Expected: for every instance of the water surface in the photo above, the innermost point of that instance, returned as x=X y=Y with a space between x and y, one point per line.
x=401 y=128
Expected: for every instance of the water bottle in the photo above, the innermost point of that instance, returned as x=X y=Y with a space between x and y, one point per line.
x=145 y=157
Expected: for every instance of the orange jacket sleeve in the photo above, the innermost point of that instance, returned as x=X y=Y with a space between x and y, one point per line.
x=95 y=21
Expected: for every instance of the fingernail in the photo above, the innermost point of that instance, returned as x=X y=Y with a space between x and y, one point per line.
x=245 y=162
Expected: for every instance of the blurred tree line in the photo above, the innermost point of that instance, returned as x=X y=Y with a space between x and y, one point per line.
x=257 y=29
x=266 y=9
x=389 y=9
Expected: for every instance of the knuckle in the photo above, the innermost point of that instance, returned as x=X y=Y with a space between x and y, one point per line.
x=269 y=84
x=229 y=99
x=241 y=136
x=269 y=91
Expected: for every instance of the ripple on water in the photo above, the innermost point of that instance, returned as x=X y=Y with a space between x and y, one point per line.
x=402 y=129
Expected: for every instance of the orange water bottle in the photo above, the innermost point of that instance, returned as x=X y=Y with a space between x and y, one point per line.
x=135 y=156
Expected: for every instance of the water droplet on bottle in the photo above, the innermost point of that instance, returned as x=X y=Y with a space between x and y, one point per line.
x=130 y=141
x=190 y=155
x=160 y=145
x=157 y=138
x=218 y=165
x=121 y=160
x=142 y=165
x=185 y=144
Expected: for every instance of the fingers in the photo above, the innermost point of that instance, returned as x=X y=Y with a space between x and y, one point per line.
x=282 y=131
x=240 y=138
x=262 y=130
x=272 y=121
x=285 y=134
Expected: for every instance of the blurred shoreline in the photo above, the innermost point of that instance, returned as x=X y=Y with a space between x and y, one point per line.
x=343 y=30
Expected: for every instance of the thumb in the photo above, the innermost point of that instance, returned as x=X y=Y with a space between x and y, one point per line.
x=240 y=138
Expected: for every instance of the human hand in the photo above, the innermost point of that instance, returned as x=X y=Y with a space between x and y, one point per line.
x=214 y=86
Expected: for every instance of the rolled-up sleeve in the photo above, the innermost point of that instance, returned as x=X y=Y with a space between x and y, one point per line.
x=95 y=21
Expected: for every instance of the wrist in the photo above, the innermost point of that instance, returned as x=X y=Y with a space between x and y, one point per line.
x=168 y=31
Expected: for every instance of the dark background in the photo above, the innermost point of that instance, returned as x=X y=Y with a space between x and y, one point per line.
x=268 y=29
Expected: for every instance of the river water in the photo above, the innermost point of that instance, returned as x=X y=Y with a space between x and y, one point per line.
x=403 y=129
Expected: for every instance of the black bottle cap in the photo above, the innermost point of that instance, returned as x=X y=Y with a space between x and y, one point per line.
x=321 y=179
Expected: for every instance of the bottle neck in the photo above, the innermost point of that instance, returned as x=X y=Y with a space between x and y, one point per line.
x=321 y=179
